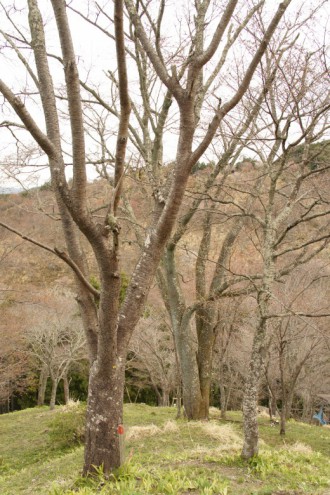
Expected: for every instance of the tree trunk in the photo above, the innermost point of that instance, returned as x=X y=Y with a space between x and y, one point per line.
x=250 y=400
x=178 y=401
x=66 y=389
x=103 y=446
x=53 y=393
x=223 y=405
x=165 y=398
x=283 y=419
x=307 y=412
x=225 y=392
x=272 y=403
x=184 y=339
x=206 y=339
x=191 y=392
x=289 y=402
x=42 y=386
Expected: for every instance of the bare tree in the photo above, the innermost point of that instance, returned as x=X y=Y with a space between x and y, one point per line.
x=56 y=339
x=291 y=222
x=152 y=354
x=108 y=324
x=297 y=342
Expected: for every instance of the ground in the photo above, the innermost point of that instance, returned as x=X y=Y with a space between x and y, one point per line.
x=40 y=454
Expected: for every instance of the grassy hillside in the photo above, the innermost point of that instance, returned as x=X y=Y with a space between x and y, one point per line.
x=40 y=454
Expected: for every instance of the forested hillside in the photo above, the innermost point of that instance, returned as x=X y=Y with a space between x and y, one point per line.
x=37 y=291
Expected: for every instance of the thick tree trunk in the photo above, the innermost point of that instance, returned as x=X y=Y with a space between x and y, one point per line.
x=206 y=338
x=53 y=393
x=103 y=445
x=42 y=386
x=165 y=398
x=191 y=392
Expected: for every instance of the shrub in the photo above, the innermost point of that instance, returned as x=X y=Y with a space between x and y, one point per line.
x=67 y=428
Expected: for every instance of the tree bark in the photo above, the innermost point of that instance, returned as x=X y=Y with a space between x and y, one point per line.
x=250 y=400
x=104 y=415
x=42 y=385
x=191 y=392
x=53 y=394
x=66 y=389
x=283 y=420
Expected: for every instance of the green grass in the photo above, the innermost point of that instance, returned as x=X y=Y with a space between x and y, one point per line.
x=39 y=454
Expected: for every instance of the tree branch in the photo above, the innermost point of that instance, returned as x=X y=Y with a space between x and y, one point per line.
x=60 y=254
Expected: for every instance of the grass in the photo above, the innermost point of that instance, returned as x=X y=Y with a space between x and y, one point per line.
x=40 y=454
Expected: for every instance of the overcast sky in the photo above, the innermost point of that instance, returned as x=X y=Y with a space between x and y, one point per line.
x=95 y=54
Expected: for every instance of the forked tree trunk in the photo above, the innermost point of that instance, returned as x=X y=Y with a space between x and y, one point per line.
x=195 y=398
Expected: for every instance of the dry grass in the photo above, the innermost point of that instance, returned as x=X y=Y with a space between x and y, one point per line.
x=170 y=427
x=298 y=447
x=228 y=440
x=72 y=405
x=138 y=432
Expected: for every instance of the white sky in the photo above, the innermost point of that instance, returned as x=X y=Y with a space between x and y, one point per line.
x=95 y=54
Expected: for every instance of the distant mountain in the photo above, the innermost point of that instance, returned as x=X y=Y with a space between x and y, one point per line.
x=10 y=190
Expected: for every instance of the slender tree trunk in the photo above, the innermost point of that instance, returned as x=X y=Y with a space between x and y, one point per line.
x=42 y=385
x=250 y=400
x=283 y=419
x=178 y=401
x=53 y=393
x=289 y=402
x=272 y=403
x=223 y=401
x=184 y=339
x=66 y=389
x=307 y=408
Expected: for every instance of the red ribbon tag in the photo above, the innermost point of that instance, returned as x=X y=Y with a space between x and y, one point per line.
x=120 y=430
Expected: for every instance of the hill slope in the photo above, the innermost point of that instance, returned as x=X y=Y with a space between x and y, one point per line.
x=164 y=456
